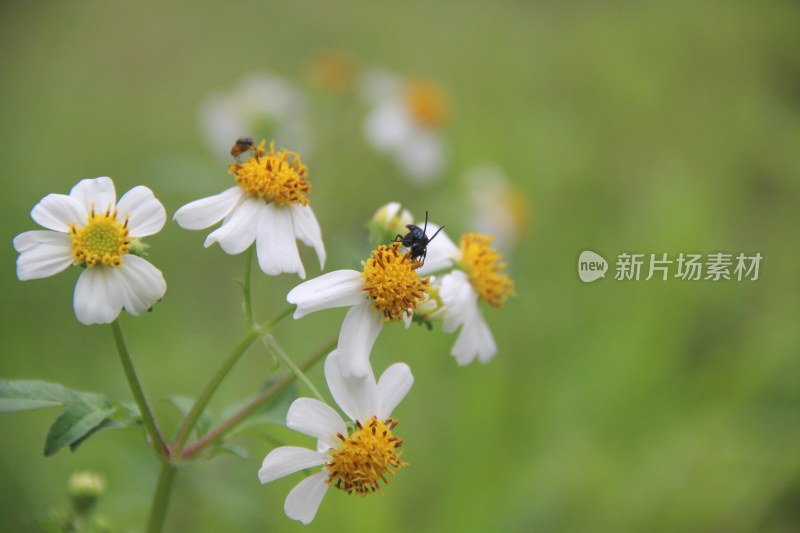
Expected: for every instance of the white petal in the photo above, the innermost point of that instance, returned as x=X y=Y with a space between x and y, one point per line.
x=316 y=419
x=377 y=85
x=97 y=194
x=143 y=284
x=442 y=252
x=238 y=231
x=304 y=499
x=422 y=156
x=208 y=211
x=359 y=330
x=357 y=396
x=388 y=126
x=275 y=244
x=483 y=341
x=474 y=340
x=146 y=214
x=459 y=299
x=58 y=211
x=287 y=460
x=42 y=253
x=335 y=289
x=98 y=296
x=306 y=228
x=394 y=384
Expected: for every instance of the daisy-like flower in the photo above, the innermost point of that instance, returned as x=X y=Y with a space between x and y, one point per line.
x=406 y=122
x=262 y=105
x=267 y=205
x=387 y=289
x=498 y=207
x=354 y=460
x=477 y=276
x=91 y=229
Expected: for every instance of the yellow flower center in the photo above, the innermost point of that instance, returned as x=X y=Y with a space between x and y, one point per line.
x=427 y=102
x=482 y=265
x=391 y=282
x=278 y=177
x=365 y=457
x=103 y=240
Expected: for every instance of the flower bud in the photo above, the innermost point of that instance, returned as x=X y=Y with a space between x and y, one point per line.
x=389 y=221
x=84 y=490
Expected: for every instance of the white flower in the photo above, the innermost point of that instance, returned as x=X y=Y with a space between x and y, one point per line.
x=352 y=461
x=90 y=228
x=406 y=122
x=388 y=289
x=476 y=277
x=267 y=205
x=261 y=105
x=499 y=209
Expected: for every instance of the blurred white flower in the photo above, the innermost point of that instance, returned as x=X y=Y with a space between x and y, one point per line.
x=499 y=209
x=354 y=462
x=267 y=205
x=261 y=105
x=406 y=122
x=90 y=228
x=476 y=277
x=388 y=289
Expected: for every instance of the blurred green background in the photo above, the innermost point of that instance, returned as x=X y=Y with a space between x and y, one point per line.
x=650 y=127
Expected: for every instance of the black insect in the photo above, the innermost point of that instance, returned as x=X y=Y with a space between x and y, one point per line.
x=417 y=241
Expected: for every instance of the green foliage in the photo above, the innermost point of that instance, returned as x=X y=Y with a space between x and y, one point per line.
x=85 y=414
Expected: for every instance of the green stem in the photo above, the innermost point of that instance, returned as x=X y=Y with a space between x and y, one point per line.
x=276 y=349
x=247 y=300
x=158 y=510
x=211 y=387
x=257 y=402
x=159 y=444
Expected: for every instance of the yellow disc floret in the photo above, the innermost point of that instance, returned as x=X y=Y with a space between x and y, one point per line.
x=103 y=240
x=427 y=103
x=278 y=177
x=482 y=265
x=365 y=457
x=391 y=282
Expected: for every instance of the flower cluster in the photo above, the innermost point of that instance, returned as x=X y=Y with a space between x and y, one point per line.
x=413 y=273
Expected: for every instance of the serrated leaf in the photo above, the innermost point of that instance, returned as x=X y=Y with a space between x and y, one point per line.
x=21 y=395
x=76 y=421
x=184 y=405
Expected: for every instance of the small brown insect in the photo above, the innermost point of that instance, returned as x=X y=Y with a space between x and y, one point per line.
x=243 y=144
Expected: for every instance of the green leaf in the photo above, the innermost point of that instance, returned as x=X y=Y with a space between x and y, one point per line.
x=184 y=405
x=76 y=421
x=105 y=425
x=85 y=414
x=21 y=395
